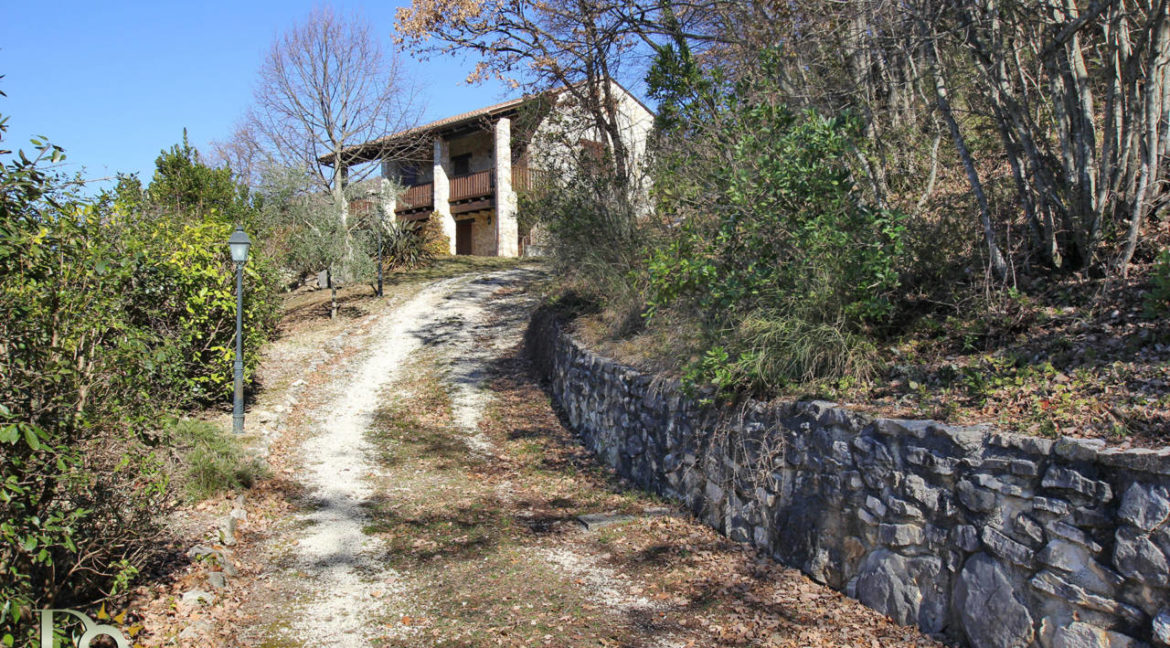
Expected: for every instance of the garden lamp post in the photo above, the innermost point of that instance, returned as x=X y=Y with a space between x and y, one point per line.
x=239 y=243
x=381 y=206
x=380 y=251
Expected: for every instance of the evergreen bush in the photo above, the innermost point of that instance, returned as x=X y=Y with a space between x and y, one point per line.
x=117 y=311
x=775 y=251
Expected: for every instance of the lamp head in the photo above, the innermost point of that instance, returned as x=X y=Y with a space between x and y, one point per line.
x=239 y=244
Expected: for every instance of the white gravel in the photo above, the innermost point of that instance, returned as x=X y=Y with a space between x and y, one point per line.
x=346 y=580
x=471 y=345
x=346 y=584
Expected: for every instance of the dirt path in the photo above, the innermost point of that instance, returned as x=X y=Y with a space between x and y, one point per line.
x=438 y=502
x=338 y=562
x=332 y=576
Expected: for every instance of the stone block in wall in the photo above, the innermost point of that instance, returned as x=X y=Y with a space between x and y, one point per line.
x=965 y=537
x=1146 y=460
x=976 y=499
x=1078 y=634
x=1160 y=628
x=635 y=444
x=1073 y=449
x=1145 y=506
x=1073 y=534
x=1071 y=481
x=1093 y=517
x=1057 y=507
x=914 y=429
x=900 y=535
x=911 y=590
x=875 y=461
x=851 y=480
x=1137 y=557
x=1029 y=528
x=1024 y=467
x=930 y=462
x=1080 y=566
x=1028 y=445
x=1003 y=546
x=1065 y=591
x=999 y=485
x=965 y=440
x=928 y=497
x=992 y=613
x=805 y=529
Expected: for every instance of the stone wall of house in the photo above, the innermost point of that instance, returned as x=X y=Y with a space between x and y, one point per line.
x=480 y=145
x=483 y=235
x=986 y=538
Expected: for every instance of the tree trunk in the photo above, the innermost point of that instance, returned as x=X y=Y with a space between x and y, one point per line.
x=998 y=265
x=1151 y=114
x=332 y=295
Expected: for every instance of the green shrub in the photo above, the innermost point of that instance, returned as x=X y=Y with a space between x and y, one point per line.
x=597 y=244
x=175 y=232
x=435 y=242
x=212 y=460
x=182 y=182
x=79 y=482
x=405 y=244
x=776 y=252
x=115 y=313
x=184 y=287
x=1157 y=302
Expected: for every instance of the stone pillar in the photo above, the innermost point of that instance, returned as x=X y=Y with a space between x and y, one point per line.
x=388 y=198
x=507 y=232
x=442 y=186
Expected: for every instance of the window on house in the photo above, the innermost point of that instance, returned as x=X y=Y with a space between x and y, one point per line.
x=461 y=164
x=409 y=174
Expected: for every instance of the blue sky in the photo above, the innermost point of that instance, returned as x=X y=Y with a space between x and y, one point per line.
x=116 y=82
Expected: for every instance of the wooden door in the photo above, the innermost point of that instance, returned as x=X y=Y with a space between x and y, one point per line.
x=463 y=237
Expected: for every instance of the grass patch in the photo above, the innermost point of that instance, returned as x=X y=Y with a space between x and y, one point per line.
x=508 y=598
x=211 y=460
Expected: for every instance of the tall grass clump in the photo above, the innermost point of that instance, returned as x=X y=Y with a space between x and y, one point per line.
x=213 y=461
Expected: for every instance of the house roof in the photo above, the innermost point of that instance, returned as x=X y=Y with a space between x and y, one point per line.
x=458 y=120
x=406 y=139
x=403 y=139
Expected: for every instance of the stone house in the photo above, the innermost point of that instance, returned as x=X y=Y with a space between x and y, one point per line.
x=471 y=167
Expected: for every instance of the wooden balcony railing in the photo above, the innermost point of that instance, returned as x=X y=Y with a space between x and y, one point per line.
x=473 y=185
x=480 y=184
x=526 y=178
x=416 y=197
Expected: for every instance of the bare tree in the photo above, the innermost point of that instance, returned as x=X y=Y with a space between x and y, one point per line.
x=1076 y=91
x=573 y=47
x=327 y=86
x=241 y=153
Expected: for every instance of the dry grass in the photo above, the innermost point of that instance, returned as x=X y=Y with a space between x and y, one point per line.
x=1059 y=357
x=478 y=530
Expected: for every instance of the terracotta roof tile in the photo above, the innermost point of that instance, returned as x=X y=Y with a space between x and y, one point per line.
x=437 y=125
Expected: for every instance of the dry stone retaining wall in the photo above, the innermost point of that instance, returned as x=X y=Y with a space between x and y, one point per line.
x=986 y=538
